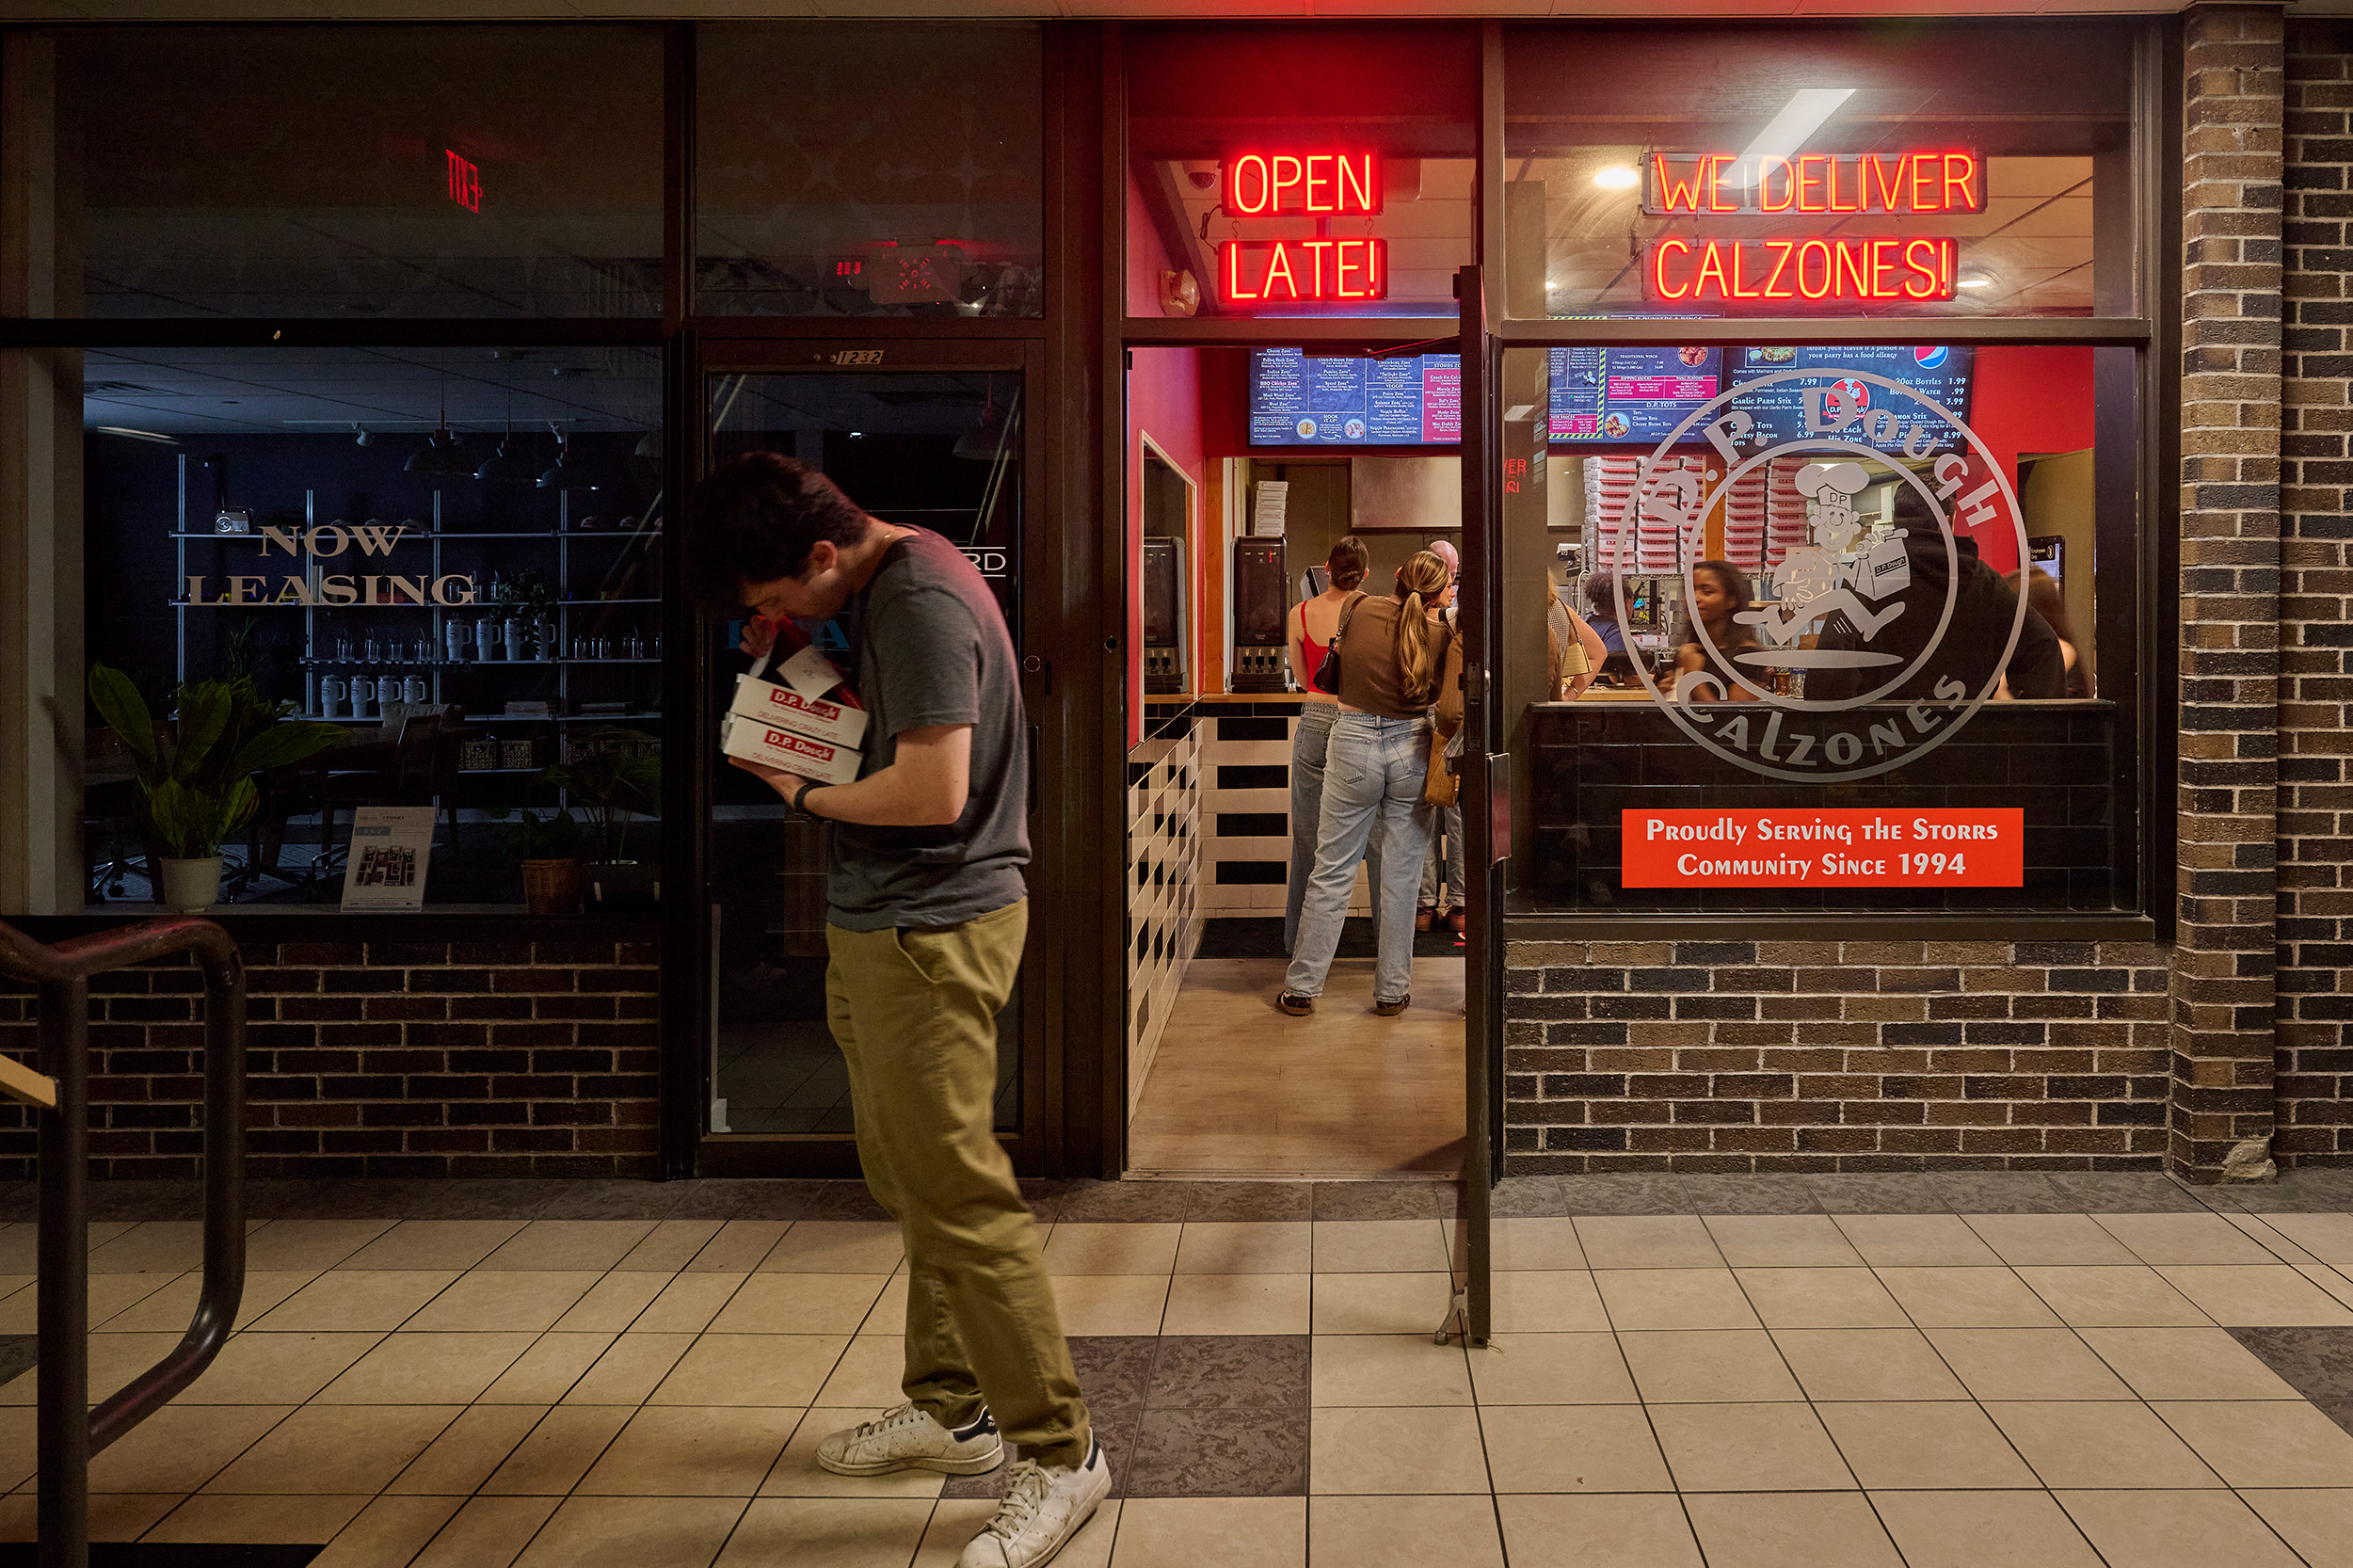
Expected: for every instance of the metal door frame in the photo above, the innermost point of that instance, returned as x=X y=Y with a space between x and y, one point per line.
x=688 y=793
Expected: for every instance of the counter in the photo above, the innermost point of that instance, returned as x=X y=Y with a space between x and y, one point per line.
x=1590 y=759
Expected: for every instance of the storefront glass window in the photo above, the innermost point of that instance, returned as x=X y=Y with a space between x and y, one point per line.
x=1904 y=169
x=869 y=170
x=415 y=171
x=453 y=557
x=1296 y=172
x=1865 y=619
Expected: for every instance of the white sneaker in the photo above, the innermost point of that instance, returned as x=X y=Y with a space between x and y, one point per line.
x=908 y=1439
x=1042 y=1510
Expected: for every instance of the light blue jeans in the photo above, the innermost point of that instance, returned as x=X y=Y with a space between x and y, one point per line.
x=1311 y=740
x=1372 y=781
x=1452 y=826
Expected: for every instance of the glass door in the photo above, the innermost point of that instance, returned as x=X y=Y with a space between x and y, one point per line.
x=926 y=436
x=1488 y=472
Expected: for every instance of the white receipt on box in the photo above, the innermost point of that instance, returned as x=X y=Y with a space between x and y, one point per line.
x=809 y=673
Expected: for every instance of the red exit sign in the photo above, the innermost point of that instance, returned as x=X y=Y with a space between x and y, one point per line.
x=465 y=181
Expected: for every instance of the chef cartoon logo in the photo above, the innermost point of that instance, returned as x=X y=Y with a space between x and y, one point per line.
x=1866 y=524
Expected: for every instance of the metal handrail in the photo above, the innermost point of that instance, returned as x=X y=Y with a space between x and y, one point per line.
x=70 y=1429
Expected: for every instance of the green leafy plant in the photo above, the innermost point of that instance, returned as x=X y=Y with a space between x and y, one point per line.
x=554 y=837
x=195 y=775
x=612 y=783
x=528 y=595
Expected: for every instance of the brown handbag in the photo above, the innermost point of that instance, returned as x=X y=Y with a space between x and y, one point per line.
x=1441 y=784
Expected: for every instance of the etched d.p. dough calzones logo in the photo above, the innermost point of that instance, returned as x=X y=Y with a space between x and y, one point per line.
x=1841 y=670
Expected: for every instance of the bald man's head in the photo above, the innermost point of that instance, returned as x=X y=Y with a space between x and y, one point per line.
x=1444 y=550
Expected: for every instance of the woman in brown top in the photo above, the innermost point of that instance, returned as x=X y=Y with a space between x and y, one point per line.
x=1393 y=652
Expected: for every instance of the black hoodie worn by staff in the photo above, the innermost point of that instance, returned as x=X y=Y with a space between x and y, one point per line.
x=1970 y=652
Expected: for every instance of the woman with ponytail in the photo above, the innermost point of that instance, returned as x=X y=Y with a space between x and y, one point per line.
x=1313 y=626
x=1392 y=658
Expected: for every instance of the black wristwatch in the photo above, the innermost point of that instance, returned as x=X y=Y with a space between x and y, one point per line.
x=801 y=794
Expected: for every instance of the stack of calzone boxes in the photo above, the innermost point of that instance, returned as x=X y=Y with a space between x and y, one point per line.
x=793 y=727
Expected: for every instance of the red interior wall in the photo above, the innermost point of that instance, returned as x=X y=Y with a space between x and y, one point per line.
x=1163 y=401
x=2026 y=400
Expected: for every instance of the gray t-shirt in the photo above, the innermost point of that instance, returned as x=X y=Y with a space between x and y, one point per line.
x=932 y=649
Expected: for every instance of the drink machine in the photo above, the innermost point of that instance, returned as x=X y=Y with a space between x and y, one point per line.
x=1163 y=615
x=1261 y=600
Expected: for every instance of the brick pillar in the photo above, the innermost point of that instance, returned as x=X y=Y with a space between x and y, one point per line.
x=2224 y=958
x=2315 y=902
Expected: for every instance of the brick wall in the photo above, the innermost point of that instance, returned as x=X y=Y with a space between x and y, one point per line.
x=1852 y=1056
x=380 y=1058
x=2315 y=893
x=2223 y=959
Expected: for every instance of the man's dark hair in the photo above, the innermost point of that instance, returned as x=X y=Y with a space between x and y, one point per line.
x=1601 y=593
x=755 y=519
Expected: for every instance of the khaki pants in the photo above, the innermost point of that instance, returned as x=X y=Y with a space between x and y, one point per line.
x=914 y=1010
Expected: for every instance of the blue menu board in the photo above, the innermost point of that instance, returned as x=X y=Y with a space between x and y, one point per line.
x=1296 y=399
x=1937 y=371
x=1601 y=395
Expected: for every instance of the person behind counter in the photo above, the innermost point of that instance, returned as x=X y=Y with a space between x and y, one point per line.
x=1719 y=594
x=1971 y=646
x=1392 y=661
x=1601 y=612
x=2044 y=599
x=1312 y=628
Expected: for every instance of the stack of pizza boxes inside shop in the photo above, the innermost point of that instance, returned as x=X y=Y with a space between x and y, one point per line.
x=811 y=724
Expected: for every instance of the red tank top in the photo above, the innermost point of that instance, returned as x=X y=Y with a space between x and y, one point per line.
x=1315 y=650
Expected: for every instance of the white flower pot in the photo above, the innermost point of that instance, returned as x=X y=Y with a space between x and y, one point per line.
x=191 y=887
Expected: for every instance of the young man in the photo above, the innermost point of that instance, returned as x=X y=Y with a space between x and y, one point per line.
x=924 y=927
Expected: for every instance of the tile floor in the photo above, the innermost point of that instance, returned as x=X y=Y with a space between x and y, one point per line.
x=1744 y=1372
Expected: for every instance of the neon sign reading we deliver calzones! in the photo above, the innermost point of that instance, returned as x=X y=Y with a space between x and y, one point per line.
x=1893 y=185
x=1838 y=267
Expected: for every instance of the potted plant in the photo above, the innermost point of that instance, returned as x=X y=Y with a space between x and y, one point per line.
x=613 y=778
x=524 y=603
x=196 y=777
x=547 y=847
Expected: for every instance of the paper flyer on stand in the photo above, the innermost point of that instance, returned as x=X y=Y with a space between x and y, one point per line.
x=386 y=865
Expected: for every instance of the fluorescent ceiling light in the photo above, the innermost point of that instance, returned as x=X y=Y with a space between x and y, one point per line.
x=136 y=435
x=1973 y=280
x=1789 y=131
x=1617 y=178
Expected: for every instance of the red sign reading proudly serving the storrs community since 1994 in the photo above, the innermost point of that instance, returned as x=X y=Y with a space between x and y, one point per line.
x=1843 y=847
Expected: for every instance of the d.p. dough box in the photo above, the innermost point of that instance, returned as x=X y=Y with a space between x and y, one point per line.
x=776 y=747
x=782 y=708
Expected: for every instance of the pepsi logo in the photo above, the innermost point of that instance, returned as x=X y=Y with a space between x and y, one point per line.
x=1931 y=358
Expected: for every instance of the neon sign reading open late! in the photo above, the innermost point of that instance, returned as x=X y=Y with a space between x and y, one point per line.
x=1318 y=267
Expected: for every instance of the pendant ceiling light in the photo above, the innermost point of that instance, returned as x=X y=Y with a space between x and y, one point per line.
x=570 y=472
x=985 y=441
x=508 y=466
x=440 y=457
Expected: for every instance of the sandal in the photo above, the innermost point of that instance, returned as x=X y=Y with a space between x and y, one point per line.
x=1391 y=1009
x=1295 y=1004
